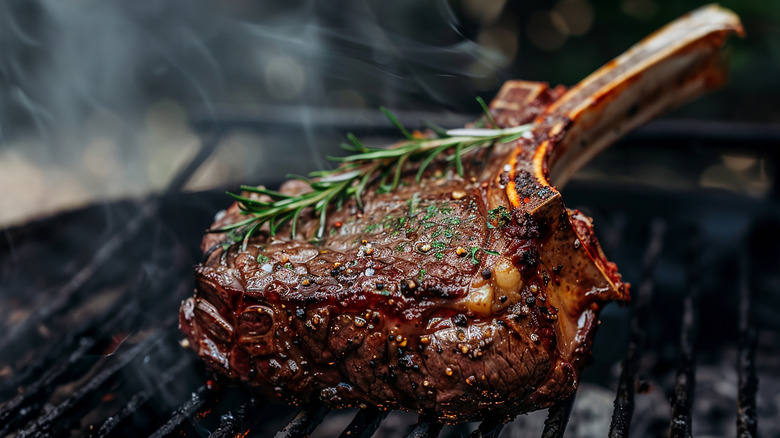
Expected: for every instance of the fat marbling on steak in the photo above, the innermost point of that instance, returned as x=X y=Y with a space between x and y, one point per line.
x=458 y=297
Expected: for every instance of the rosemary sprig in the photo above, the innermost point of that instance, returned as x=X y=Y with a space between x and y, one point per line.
x=363 y=166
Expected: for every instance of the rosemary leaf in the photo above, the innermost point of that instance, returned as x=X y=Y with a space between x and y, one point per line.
x=459 y=159
x=394 y=120
x=397 y=174
x=358 y=145
x=298 y=177
x=487 y=112
x=376 y=154
x=438 y=130
x=264 y=191
x=252 y=229
x=348 y=147
x=295 y=221
x=511 y=138
x=362 y=186
x=323 y=221
x=424 y=165
x=233 y=226
x=248 y=201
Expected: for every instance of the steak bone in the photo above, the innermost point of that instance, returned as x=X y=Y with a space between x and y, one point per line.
x=677 y=63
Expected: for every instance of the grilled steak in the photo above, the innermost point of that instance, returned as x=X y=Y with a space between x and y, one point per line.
x=458 y=297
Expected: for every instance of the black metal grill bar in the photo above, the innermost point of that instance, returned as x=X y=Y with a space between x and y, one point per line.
x=186 y=411
x=426 y=429
x=22 y=407
x=624 y=400
x=88 y=337
x=488 y=429
x=557 y=419
x=365 y=423
x=230 y=424
x=71 y=293
x=76 y=344
x=747 y=421
x=682 y=399
x=304 y=422
x=73 y=346
x=56 y=371
x=57 y=416
x=139 y=399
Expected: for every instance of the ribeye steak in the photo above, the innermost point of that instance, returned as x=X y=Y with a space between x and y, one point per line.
x=458 y=297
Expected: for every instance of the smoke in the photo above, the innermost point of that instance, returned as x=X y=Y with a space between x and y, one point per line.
x=96 y=96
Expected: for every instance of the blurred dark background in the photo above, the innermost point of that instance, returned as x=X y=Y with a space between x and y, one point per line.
x=105 y=99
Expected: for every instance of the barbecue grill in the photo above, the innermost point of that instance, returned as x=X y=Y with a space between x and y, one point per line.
x=89 y=298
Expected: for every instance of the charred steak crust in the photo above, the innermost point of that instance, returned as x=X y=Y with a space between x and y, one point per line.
x=462 y=298
x=437 y=298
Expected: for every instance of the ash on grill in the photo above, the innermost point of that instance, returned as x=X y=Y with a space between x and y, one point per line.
x=89 y=343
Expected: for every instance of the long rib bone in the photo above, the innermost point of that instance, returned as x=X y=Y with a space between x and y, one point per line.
x=668 y=68
x=679 y=62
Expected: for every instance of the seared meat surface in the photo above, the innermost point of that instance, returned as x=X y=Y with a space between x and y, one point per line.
x=458 y=297
x=436 y=297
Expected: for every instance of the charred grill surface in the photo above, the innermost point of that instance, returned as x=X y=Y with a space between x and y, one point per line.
x=153 y=392
x=458 y=297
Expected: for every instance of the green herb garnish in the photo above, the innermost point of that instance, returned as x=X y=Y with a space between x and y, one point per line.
x=364 y=166
x=475 y=249
x=498 y=217
x=473 y=254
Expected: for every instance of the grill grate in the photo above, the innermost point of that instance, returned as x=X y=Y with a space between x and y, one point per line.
x=624 y=400
x=122 y=370
x=139 y=399
x=747 y=426
x=365 y=423
x=557 y=419
x=682 y=400
x=304 y=422
x=426 y=429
